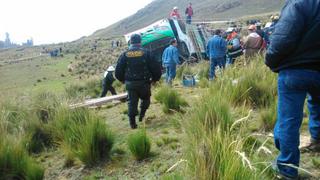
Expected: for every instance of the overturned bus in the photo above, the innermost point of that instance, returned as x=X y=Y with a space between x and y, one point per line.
x=191 y=39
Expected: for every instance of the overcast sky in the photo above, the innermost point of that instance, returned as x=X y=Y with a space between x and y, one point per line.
x=54 y=21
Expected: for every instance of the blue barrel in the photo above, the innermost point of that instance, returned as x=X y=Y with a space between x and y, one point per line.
x=188 y=80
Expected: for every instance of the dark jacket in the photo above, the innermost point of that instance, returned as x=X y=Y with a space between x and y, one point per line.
x=295 y=42
x=109 y=79
x=137 y=64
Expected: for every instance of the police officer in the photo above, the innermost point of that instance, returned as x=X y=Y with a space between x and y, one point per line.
x=137 y=68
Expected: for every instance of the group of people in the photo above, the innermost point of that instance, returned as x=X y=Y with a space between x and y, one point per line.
x=224 y=47
x=293 y=51
x=117 y=43
x=188 y=12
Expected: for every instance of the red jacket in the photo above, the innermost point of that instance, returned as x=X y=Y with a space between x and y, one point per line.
x=175 y=14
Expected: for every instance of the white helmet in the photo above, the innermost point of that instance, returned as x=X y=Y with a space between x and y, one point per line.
x=110 y=69
x=229 y=30
x=175 y=8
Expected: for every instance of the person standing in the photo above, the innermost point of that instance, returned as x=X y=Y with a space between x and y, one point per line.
x=175 y=13
x=216 y=51
x=170 y=59
x=107 y=82
x=137 y=68
x=189 y=13
x=253 y=42
x=234 y=48
x=294 y=54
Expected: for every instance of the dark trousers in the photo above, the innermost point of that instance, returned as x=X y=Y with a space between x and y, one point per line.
x=294 y=85
x=136 y=91
x=106 y=88
x=188 y=21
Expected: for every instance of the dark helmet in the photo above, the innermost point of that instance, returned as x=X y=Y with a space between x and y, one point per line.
x=135 y=39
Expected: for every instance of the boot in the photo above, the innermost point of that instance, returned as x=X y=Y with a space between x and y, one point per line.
x=133 y=124
x=313 y=146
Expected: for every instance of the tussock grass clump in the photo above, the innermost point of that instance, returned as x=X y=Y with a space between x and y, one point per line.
x=203 y=70
x=183 y=69
x=96 y=143
x=253 y=85
x=170 y=99
x=213 y=152
x=268 y=117
x=38 y=137
x=139 y=144
x=12 y=117
x=15 y=163
x=83 y=135
x=44 y=105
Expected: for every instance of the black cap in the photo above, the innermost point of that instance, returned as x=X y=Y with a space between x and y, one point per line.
x=135 y=39
x=173 y=41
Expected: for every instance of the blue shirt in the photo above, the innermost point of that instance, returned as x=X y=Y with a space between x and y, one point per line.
x=170 y=56
x=216 y=47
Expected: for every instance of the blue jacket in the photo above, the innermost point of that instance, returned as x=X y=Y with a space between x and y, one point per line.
x=170 y=56
x=217 y=47
x=295 y=42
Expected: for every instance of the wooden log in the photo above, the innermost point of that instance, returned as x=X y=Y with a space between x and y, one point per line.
x=99 y=101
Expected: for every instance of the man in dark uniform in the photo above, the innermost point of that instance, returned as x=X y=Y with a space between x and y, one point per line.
x=107 y=82
x=137 y=69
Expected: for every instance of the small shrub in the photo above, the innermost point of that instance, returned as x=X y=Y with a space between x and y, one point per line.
x=139 y=144
x=16 y=164
x=170 y=99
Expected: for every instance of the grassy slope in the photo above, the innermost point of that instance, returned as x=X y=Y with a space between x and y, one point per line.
x=35 y=75
x=204 y=10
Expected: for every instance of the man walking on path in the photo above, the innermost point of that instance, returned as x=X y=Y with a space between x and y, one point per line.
x=294 y=54
x=216 y=51
x=107 y=82
x=170 y=59
x=137 y=68
x=189 y=13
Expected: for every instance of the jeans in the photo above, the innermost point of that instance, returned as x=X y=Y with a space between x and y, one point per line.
x=294 y=86
x=230 y=60
x=188 y=20
x=170 y=73
x=214 y=62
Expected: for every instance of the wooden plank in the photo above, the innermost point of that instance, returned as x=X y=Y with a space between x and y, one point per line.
x=99 y=101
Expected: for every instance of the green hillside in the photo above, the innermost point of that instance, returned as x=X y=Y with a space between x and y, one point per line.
x=204 y=10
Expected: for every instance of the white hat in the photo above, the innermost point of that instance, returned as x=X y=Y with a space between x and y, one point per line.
x=175 y=7
x=229 y=30
x=110 y=68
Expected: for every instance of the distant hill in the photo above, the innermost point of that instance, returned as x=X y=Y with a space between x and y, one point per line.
x=204 y=10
